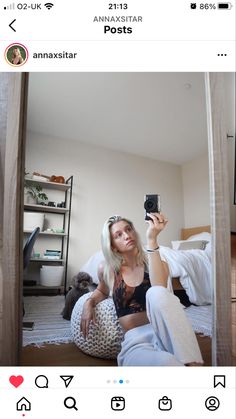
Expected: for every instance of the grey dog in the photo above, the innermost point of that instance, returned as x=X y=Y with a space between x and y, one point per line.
x=83 y=283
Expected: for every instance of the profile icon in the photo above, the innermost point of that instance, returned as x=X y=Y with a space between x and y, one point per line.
x=16 y=55
x=212 y=403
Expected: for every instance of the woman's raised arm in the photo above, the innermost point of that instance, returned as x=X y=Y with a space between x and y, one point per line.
x=158 y=270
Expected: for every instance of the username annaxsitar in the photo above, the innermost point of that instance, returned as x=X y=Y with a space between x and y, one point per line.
x=55 y=55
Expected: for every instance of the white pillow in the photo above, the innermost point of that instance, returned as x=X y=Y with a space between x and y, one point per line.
x=201 y=236
x=193 y=244
x=176 y=243
x=91 y=266
x=189 y=244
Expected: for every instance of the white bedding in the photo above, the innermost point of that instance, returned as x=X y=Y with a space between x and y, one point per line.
x=193 y=267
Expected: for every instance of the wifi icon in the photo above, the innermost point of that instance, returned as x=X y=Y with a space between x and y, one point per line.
x=49 y=5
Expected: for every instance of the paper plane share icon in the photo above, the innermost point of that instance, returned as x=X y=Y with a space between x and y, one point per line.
x=67 y=379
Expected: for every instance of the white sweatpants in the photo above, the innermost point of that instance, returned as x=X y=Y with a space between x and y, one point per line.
x=168 y=340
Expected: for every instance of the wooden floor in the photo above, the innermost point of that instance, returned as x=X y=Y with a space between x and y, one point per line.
x=69 y=355
x=60 y=355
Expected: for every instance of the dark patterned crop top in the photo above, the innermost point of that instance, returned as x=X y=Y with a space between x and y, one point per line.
x=129 y=300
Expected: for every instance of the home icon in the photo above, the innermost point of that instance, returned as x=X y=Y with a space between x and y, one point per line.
x=23 y=404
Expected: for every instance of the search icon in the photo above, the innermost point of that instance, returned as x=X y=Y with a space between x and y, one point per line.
x=71 y=404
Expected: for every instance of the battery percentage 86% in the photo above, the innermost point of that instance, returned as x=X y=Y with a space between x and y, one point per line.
x=207 y=6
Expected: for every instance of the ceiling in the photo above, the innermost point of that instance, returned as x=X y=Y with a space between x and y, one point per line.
x=157 y=115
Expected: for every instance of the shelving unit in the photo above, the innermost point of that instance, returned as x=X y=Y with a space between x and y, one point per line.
x=45 y=208
x=65 y=192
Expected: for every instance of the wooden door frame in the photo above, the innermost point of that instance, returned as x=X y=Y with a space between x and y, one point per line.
x=13 y=98
x=220 y=219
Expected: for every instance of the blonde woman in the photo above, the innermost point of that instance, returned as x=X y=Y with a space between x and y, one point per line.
x=16 y=57
x=156 y=329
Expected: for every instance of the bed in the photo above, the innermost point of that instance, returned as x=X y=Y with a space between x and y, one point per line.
x=199 y=315
x=186 y=234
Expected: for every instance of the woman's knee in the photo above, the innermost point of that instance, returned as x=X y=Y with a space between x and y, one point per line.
x=160 y=298
x=159 y=295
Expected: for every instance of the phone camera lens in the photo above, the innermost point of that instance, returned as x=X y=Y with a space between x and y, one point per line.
x=149 y=205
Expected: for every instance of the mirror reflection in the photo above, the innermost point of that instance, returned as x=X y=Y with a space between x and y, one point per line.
x=115 y=137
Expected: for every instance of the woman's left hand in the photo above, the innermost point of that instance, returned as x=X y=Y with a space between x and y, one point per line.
x=155 y=225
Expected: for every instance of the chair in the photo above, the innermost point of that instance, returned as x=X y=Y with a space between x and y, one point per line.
x=27 y=251
x=28 y=247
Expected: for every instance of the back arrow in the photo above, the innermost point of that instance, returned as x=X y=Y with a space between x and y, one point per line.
x=12 y=26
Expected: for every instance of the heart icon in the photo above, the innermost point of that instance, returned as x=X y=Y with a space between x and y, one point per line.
x=16 y=381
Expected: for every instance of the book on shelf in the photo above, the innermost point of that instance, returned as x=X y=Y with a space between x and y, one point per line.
x=53 y=253
x=55 y=257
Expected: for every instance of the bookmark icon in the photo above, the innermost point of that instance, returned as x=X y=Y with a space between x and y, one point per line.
x=219 y=380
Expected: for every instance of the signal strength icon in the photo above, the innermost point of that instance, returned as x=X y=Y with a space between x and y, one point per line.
x=10 y=7
x=49 y=5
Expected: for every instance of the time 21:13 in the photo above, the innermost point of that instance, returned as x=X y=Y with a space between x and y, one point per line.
x=118 y=6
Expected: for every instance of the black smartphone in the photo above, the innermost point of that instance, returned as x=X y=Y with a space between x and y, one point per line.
x=152 y=203
x=28 y=325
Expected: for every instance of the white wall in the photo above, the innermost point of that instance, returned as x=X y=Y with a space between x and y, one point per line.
x=106 y=183
x=195 y=175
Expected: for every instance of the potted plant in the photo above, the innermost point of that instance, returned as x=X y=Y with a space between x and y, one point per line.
x=35 y=192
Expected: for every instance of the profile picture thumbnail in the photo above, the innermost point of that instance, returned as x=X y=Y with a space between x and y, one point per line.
x=16 y=54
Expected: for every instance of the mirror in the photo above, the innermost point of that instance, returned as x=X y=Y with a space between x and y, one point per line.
x=121 y=135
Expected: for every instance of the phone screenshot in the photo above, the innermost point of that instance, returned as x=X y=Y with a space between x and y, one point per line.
x=117 y=209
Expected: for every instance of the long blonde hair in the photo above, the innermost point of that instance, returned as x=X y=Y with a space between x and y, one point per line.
x=14 y=55
x=114 y=260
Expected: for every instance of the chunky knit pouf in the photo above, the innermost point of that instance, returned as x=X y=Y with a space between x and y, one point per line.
x=103 y=340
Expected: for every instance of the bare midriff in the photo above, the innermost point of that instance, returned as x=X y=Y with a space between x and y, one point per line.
x=133 y=320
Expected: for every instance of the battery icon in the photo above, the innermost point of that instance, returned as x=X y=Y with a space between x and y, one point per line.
x=224 y=6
